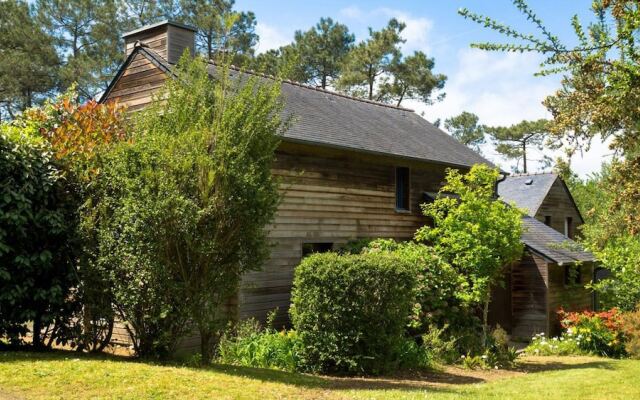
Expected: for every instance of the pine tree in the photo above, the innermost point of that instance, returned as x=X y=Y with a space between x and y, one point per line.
x=220 y=28
x=28 y=59
x=412 y=78
x=514 y=141
x=370 y=60
x=322 y=51
x=466 y=129
x=87 y=35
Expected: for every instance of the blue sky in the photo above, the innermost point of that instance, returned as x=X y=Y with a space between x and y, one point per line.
x=500 y=88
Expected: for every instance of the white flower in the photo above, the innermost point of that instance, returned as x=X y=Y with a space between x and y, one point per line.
x=463 y=356
x=484 y=356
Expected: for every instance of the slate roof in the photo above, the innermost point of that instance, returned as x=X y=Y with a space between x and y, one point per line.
x=526 y=191
x=551 y=244
x=331 y=119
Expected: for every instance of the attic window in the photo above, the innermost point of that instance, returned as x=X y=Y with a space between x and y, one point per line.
x=568 y=227
x=402 y=189
x=547 y=220
x=528 y=182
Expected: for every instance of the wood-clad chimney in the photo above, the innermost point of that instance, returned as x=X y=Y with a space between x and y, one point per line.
x=167 y=38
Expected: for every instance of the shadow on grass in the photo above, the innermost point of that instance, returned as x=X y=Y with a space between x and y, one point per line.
x=434 y=381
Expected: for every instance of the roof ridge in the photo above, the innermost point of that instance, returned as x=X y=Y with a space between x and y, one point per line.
x=533 y=174
x=317 y=89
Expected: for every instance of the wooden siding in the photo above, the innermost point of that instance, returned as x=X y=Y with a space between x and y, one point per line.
x=137 y=84
x=570 y=298
x=529 y=283
x=329 y=196
x=155 y=38
x=558 y=205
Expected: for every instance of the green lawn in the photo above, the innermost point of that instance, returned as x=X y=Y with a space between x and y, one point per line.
x=69 y=375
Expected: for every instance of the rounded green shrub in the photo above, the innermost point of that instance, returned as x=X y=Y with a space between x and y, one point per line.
x=350 y=311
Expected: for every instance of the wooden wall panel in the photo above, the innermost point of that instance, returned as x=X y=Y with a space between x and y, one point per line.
x=529 y=283
x=558 y=206
x=570 y=298
x=137 y=84
x=331 y=197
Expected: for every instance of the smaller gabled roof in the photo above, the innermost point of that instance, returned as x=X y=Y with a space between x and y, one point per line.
x=551 y=244
x=527 y=191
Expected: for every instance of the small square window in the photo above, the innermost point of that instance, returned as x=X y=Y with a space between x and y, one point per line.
x=402 y=188
x=311 y=248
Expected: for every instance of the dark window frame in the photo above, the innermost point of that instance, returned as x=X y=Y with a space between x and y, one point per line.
x=403 y=189
x=572 y=279
x=547 y=220
x=568 y=227
x=309 y=248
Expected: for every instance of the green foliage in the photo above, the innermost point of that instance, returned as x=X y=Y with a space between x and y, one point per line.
x=599 y=89
x=36 y=271
x=370 y=59
x=476 y=234
x=184 y=205
x=220 y=28
x=322 y=50
x=412 y=78
x=439 y=345
x=249 y=345
x=603 y=233
x=29 y=61
x=631 y=329
x=597 y=333
x=513 y=141
x=350 y=311
x=438 y=291
x=465 y=128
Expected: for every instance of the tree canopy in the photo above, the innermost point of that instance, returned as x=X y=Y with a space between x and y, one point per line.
x=465 y=127
x=514 y=142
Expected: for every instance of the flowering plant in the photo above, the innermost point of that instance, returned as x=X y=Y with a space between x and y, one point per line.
x=601 y=332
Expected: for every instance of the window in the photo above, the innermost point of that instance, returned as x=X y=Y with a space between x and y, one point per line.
x=402 y=188
x=572 y=275
x=547 y=220
x=568 y=227
x=311 y=248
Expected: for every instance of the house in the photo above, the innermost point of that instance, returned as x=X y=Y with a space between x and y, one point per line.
x=553 y=270
x=350 y=168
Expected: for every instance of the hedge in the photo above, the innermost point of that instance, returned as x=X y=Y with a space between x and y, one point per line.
x=351 y=311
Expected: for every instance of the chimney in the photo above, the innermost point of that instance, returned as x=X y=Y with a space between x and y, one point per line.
x=167 y=38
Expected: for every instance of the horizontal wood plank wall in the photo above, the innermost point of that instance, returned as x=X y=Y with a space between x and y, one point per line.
x=558 y=205
x=570 y=298
x=529 y=282
x=329 y=198
x=156 y=39
x=137 y=84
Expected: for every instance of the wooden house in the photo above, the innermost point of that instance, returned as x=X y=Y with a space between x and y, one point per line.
x=350 y=168
x=553 y=270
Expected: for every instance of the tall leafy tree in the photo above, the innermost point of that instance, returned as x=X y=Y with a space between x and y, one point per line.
x=475 y=233
x=412 y=77
x=137 y=13
x=514 y=141
x=465 y=127
x=28 y=59
x=87 y=36
x=600 y=86
x=221 y=28
x=322 y=51
x=371 y=60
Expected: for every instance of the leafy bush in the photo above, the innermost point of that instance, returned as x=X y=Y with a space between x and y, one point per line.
x=440 y=307
x=599 y=332
x=631 y=330
x=497 y=353
x=351 y=311
x=36 y=270
x=438 y=346
x=250 y=346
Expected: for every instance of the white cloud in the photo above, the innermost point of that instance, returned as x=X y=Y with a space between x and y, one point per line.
x=352 y=12
x=270 y=37
x=416 y=32
x=501 y=89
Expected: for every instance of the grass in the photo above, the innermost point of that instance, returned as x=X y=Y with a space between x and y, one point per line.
x=70 y=375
